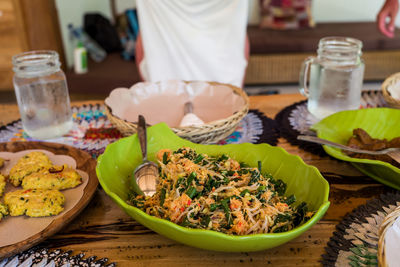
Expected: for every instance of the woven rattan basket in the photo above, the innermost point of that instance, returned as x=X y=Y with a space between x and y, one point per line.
x=386 y=224
x=208 y=133
x=391 y=81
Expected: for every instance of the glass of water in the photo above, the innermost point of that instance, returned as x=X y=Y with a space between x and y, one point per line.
x=42 y=94
x=335 y=76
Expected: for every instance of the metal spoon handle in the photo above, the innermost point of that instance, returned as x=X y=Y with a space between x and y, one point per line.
x=317 y=140
x=188 y=108
x=142 y=135
x=320 y=141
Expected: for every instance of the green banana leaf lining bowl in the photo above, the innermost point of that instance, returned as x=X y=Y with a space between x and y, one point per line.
x=116 y=164
x=379 y=123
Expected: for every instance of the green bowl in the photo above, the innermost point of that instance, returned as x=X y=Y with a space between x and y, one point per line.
x=379 y=123
x=119 y=160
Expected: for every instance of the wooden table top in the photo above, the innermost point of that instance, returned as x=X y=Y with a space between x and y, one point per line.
x=104 y=230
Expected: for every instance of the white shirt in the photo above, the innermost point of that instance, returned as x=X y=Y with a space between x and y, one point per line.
x=193 y=40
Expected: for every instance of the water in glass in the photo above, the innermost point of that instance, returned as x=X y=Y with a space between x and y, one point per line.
x=338 y=89
x=42 y=94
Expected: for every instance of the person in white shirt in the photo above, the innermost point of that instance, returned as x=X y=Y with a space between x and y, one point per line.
x=193 y=40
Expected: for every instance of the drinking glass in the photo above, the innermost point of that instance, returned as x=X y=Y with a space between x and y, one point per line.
x=336 y=76
x=42 y=94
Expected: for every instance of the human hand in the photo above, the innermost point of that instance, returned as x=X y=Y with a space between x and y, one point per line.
x=389 y=10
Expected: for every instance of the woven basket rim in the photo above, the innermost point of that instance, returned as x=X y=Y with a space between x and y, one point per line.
x=235 y=89
x=386 y=94
x=386 y=224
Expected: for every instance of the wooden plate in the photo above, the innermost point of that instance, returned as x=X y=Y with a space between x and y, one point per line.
x=84 y=162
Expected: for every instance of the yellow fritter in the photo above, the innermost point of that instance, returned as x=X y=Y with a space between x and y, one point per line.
x=57 y=177
x=1 y=162
x=30 y=163
x=34 y=202
x=2 y=184
x=3 y=211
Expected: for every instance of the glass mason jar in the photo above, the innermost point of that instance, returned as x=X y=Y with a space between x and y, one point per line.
x=42 y=94
x=336 y=76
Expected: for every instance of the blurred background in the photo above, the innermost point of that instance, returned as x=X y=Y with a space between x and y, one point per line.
x=276 y=53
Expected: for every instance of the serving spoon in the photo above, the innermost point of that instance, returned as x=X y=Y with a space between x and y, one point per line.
x=146 y=174
x=189 y=118
x=393 y=152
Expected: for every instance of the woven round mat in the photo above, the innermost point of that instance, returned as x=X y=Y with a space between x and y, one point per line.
x=38 y=256
x=92 y=131
x=255 y=128
x=295 y=119
x=355 y=241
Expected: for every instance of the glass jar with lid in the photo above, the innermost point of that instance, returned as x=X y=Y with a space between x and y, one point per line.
x=42 y=94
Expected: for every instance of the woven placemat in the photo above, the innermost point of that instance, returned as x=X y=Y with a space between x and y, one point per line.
x=255 y=128
x=38 y=256
x=355 y=241
x=92 y=131
x=295 y=119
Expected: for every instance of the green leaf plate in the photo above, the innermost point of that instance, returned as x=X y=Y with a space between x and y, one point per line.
x=119 y=160
x=379 y=123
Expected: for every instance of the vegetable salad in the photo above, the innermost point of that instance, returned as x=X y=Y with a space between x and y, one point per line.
x=219 y=193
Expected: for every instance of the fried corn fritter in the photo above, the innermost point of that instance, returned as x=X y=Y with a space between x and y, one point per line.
x=2 y=184
x=34 y=202
x=3 y=211
x=57 y=177
x=30 y=163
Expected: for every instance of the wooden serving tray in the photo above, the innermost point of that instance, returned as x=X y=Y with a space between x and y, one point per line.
x=84 y=163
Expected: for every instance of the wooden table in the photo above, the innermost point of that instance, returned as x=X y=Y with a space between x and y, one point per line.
x=104 y=230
